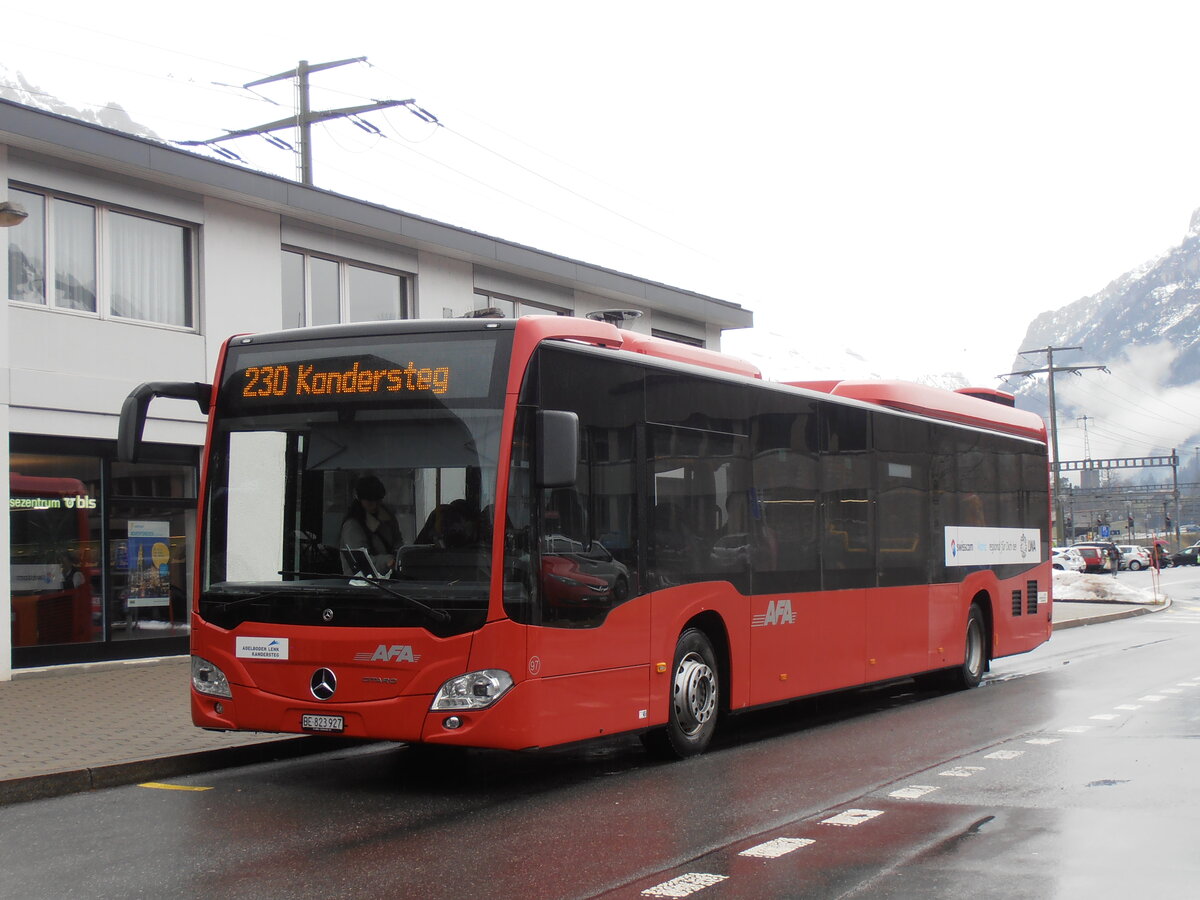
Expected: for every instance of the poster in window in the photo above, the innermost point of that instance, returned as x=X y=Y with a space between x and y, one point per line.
x=149 y=563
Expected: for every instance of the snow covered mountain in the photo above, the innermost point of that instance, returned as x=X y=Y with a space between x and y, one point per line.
x=1145 y=328
x=16 y=87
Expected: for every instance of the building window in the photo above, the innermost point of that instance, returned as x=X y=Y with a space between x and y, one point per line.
x=510 y=307
x=677 y=338
x=90 y=258
x=322 y=291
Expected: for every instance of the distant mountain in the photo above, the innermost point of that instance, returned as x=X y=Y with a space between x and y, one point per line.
x=1155 y=302
x=15 y=87
x=1145 y=327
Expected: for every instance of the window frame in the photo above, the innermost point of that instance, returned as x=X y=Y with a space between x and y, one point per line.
x=344 y=302
x=102 y=246
x=485 y=299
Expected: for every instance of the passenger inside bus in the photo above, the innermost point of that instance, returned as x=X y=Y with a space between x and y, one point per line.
x=370 y=525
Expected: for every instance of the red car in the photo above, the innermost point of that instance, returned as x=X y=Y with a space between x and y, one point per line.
x=1096 y=559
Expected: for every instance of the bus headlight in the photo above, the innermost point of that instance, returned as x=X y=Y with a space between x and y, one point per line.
x=208 y=679
x=475 y=690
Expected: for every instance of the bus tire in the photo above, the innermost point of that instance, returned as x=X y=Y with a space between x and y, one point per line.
x=970 y=673
x=695 y=700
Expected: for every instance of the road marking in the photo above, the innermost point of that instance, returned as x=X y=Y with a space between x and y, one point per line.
x=1152 y=698
x=158 y=785
x=1043 y=741
x=913 y=791
x=852 y=817
x=1005 y=754
x=1128 y=706
x=1076 y=729
x=962 y=771
x=777 y=848
x=1170 y=691
x=684 y=885
x=1105 y=717
x=1189 y=684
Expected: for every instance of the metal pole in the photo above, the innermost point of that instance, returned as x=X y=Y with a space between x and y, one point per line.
x=1175 y=496
x=303 y=123
x=1058 y=510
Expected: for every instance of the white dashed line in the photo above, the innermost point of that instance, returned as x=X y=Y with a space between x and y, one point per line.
x=1005 y=754
x=852 y=817
x=913 y=791
x=1129 y=706
x=962 y=771
x=1152 y=698
x=777 y=848
x=1188 y=684
x=1041 y=742
x=1076 y=729
x=684 y=885
x=1171 y=691
x=1105 y=717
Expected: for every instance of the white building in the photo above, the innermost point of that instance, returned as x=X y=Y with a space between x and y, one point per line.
x=135 y=262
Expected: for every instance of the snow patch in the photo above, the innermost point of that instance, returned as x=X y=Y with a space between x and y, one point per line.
x=1076 y=586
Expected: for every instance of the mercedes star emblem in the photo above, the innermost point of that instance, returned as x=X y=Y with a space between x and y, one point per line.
x=322 y=684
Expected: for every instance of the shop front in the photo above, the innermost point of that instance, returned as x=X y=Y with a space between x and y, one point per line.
x=100 y=550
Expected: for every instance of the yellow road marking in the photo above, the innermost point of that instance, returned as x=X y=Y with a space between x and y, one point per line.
x=172 y=787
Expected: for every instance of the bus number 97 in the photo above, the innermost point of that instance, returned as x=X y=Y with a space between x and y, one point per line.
x=265 y=381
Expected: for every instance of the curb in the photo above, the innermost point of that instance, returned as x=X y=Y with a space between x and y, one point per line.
x=1112 y=617
x=75 y=781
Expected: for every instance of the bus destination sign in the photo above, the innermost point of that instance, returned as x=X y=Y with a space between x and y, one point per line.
x=263 y=378
x=312 y=379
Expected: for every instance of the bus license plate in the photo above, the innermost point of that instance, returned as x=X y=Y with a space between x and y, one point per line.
x=322 y=723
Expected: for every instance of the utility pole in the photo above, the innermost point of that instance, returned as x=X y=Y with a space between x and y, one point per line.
x=304 y=118
x=1049 y=372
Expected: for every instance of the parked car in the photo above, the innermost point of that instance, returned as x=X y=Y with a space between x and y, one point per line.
x=1110 y=552
x=1066 y=559
x=1134 y=558
x=1189 y=556
x=1098 y=562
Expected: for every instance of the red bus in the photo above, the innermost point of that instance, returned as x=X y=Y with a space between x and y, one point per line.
x=523 y=533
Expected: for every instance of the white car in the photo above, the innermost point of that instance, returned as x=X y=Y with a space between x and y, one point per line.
x=1067 y=558
x=1134 y=558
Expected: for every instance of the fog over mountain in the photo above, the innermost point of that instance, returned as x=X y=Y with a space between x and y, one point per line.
x=1144 y=327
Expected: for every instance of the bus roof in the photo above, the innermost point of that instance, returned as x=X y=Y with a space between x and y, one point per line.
x=935 y=403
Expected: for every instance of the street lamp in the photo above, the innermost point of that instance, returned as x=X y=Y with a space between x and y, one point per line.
x=11 y=214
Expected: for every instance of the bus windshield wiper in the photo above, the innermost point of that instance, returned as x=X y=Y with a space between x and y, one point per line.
x=438 y=615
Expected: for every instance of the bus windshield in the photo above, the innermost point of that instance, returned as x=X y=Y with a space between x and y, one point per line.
x=353 y=483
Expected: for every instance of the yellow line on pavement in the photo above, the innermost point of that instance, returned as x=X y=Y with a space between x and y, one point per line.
x=172 y=787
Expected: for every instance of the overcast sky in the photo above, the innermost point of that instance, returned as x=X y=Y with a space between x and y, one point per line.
x=914 y=181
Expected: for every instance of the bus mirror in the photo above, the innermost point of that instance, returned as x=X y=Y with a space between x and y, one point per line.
x=133 y=410
x=557 y=448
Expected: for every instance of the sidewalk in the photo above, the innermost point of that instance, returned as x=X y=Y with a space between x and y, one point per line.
x=76 y=728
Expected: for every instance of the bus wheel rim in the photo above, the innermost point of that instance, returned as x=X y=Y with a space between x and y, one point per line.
x=695 y=693
x=974 y=647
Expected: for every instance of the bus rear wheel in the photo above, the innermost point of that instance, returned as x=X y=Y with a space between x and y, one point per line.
x=695 y=700
x=975 y=655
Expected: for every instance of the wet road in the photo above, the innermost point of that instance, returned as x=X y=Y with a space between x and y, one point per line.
x=1072 y=772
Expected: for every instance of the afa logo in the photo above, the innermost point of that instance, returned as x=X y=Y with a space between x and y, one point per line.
x=779 y=612
x=394 y=653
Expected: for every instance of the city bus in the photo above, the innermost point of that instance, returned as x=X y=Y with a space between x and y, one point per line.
x=521 y=533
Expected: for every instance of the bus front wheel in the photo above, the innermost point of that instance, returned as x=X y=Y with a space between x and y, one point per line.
x=695 y=700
